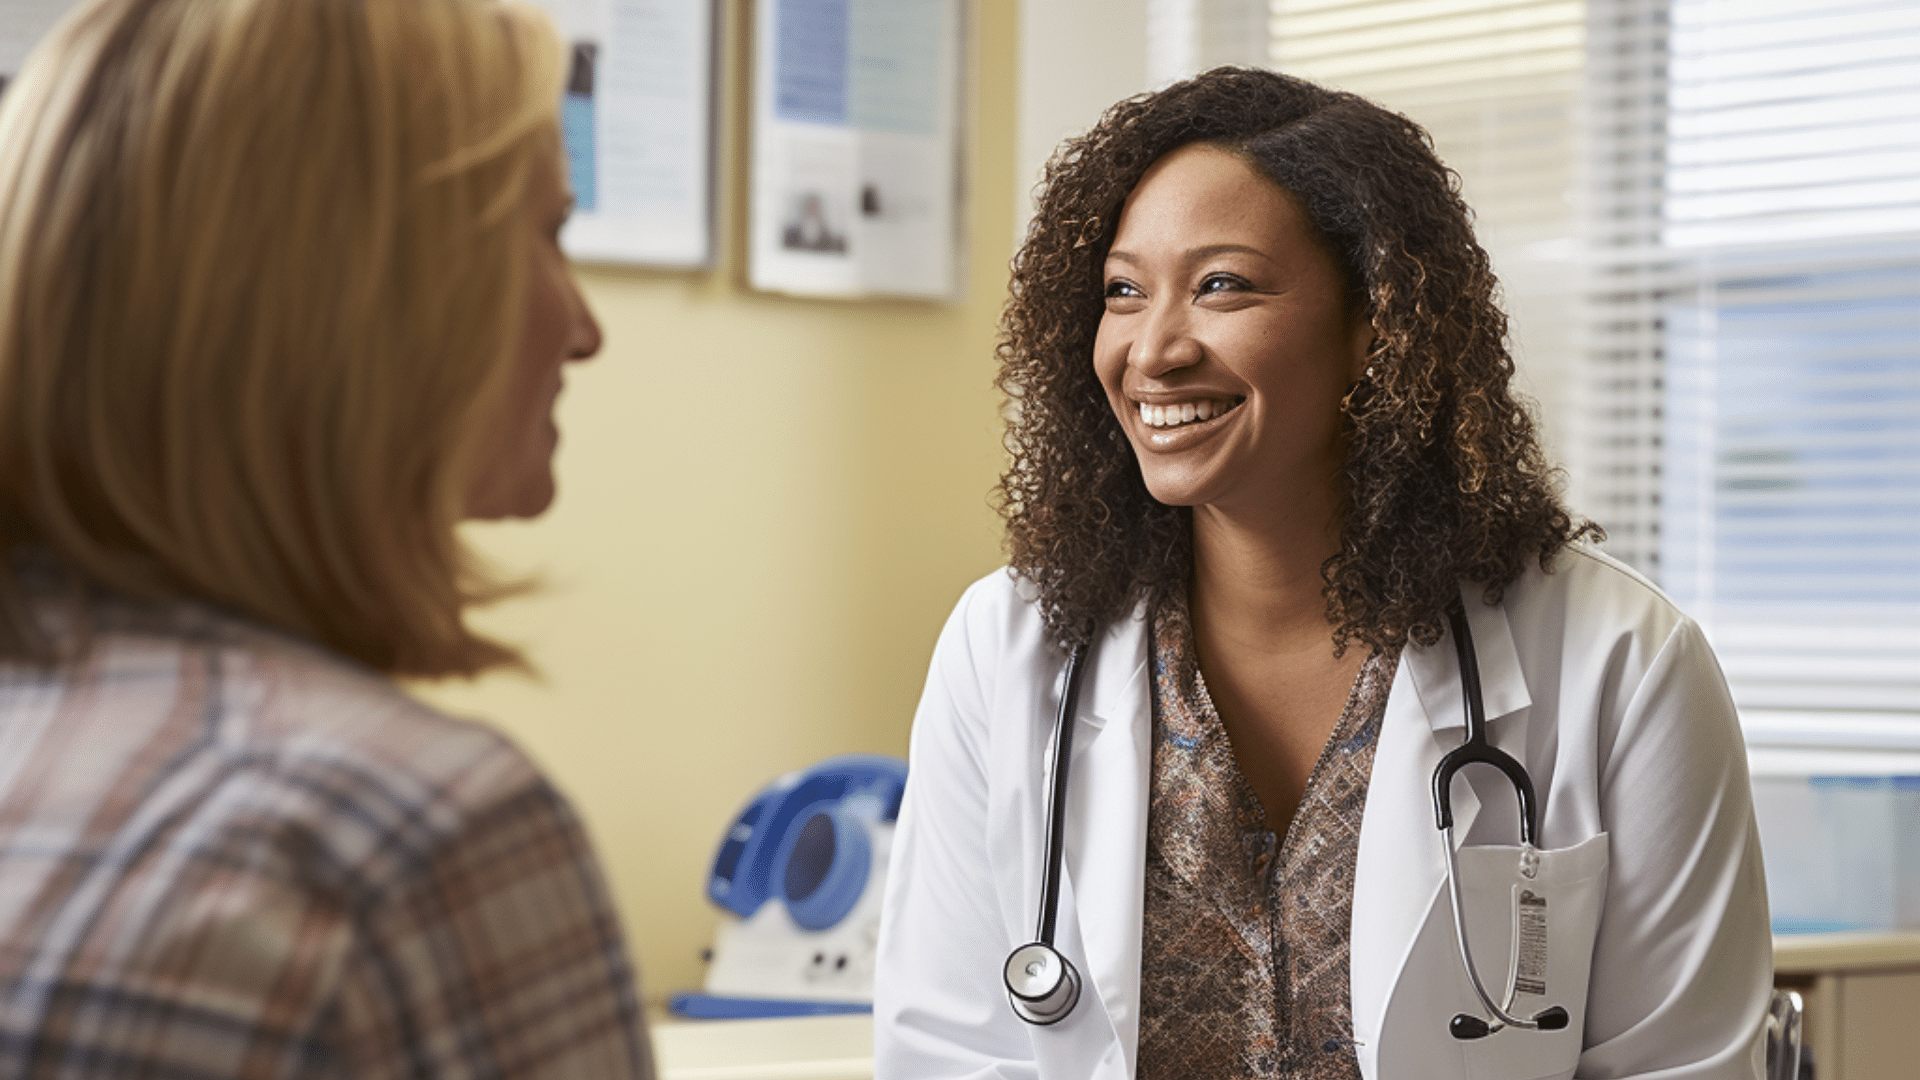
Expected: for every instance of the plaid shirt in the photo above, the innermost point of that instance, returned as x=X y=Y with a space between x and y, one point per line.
x=224 y=854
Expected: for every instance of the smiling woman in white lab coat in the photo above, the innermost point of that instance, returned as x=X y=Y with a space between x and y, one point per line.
x=1266 y=466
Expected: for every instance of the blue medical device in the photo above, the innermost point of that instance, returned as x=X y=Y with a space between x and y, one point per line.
x=801 y=870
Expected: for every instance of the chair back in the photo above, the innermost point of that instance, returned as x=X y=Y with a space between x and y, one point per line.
x=1783 y=1035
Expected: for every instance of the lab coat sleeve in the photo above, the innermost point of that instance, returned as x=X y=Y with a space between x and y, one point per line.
x=940 y=1010
x=1683 y=962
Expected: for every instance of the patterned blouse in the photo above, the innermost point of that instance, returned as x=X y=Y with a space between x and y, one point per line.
x=1245 y=948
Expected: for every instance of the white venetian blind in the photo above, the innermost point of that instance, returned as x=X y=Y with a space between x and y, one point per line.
x=1189 y=36
x=1752 y=323
x=1706 y=214
x=1497 y=83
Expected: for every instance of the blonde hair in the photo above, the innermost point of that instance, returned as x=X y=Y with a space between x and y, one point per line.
x=264 y=263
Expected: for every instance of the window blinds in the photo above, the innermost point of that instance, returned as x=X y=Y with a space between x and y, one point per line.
x=1497 y=84
x=1189 y=36
x=1753 y=331
x=1707 y=217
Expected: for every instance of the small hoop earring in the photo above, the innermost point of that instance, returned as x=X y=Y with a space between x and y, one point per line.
x=1365 y=381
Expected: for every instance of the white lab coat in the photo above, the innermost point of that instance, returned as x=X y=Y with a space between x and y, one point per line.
x=1591 y=678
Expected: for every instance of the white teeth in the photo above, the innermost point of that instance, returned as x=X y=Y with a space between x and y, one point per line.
x=1187 y=412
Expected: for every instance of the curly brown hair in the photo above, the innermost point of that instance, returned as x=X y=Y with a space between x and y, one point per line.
x=1445 y=479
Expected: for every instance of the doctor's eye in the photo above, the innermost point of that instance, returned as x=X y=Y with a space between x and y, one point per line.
x=1121 y=288
x=1222 y=282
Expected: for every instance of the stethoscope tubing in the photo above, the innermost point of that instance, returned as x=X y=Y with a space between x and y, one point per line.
x=1501 y=1016
x=1476 y=750
x=1057 y=997
x=1042 y=984
x=1057 y=794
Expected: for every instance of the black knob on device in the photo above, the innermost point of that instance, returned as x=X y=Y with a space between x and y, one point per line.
x=1469 y=1027
x=1552 y=1019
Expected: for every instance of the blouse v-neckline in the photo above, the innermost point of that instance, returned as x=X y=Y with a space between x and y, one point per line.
x=1245 y=949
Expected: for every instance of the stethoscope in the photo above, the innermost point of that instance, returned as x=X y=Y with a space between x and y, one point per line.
x=1043 y=986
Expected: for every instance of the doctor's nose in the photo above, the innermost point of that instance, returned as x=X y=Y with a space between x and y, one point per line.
x=1163 y=344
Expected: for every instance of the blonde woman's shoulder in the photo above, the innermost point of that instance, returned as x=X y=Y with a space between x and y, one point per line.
x=308 y=710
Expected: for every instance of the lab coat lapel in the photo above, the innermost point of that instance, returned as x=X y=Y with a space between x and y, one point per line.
x=1401 y=868
x=1107 y=827
x=1436 y=676
x=1087 y=1045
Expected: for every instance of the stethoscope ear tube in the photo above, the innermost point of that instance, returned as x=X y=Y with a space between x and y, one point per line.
x=1476 y=750
x=1466 y=1025
x=1042 y=985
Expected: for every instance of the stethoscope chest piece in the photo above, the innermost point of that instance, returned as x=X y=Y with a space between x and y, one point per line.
x=1042 y=985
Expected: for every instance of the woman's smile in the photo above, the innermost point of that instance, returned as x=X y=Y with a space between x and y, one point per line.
x=1177 y=425
x=1186 y=412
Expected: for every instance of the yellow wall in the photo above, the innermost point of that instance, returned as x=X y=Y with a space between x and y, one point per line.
x=767 y=508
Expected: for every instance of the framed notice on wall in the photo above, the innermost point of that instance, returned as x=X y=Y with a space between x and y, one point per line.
x=637 y=118
x=856 y=147
x=22 y=24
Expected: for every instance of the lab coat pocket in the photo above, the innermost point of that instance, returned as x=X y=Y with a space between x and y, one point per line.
x=1531 y=918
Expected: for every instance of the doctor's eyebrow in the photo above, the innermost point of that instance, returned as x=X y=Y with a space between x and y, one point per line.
x=1199 y=254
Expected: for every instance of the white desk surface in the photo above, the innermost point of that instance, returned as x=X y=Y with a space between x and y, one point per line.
x=799 y=1048
x=841 y=1047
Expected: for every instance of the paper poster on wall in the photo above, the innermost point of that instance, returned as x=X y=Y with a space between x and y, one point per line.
x=856 y=147
x=637 y=120
x=22 y=24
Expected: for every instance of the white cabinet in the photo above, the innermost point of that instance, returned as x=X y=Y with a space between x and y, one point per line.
x=800 y=1048
x=1862 y=996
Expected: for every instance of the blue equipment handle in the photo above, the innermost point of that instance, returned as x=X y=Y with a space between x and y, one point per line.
x=742 y=869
